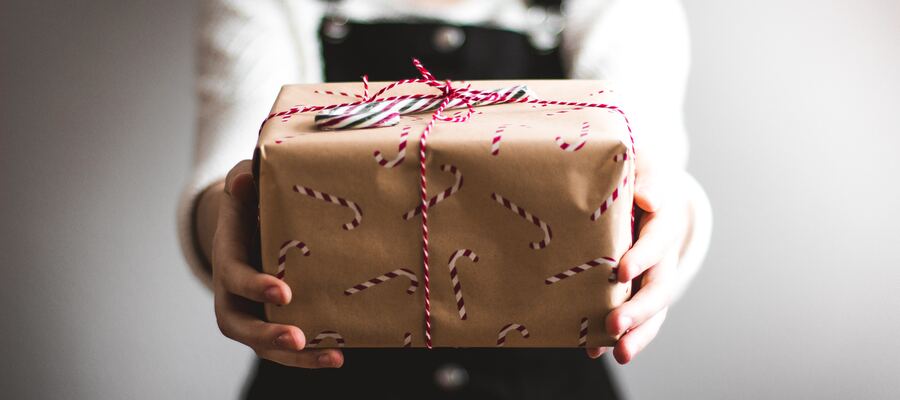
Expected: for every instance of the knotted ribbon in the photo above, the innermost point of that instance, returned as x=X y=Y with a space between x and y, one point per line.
x=375 y=111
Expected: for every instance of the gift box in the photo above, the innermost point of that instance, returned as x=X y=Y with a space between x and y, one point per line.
x=529 y=209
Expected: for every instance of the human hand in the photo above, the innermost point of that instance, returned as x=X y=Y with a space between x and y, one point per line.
x=654 y=259
x=240 y=288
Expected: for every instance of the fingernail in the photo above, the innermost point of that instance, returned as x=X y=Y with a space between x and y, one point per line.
x=273 y=295
x=284 y=340
x=624 y=324
x=324 y=360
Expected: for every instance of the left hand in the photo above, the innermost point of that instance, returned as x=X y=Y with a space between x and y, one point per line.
x=653 y=258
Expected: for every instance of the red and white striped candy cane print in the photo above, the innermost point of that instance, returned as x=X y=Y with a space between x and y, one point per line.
x=582 y=139
x=584 y=267
x=401 y=152
x=563 y=111
x=440 y=196
x=282 y=255
x=498 y=136
x=413 y=281
x=327 y=335
x=583 y=332
x=357 y=218
x=407 y=339
x=548 y=234
x=338 y=93
x=454 y=278
x=609 y=200
x=501 y=336
x=495 y=142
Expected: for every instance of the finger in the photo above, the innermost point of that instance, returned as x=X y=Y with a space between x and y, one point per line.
x=655 y=295
x=234 y=227
x=658 y=236
x=230 y=258
x=243 y=280
x=325 y=358
x=651 y=187
x=235 y=320
x=241 y=169
x=638 y=338
x=596 y=352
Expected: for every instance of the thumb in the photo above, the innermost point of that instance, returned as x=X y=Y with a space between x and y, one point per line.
x=649 y=191
x=239 y=184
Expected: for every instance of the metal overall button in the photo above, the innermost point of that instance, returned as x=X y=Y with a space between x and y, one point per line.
x=451 y=377
x=448 y=38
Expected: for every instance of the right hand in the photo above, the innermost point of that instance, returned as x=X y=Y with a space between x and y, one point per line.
x=240 y=289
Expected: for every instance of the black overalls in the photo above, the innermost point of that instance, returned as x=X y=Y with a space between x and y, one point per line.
x=383 y=51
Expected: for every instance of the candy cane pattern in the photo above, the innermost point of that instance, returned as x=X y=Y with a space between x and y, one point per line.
x=548 y=234
x=407 y=339
x=357 y=219
x=501 y=336
x=327 y=335
x=495 y=142
x=584 y=267
x=440 y=196
x=563 y=111
x=282 y=255
x=401 y=152
x=582 y=333
x=413 y=281
x=582 y=139
x=454 y=278
x=609 y=200
x=337 y=93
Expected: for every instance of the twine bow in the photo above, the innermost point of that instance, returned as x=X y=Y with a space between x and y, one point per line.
x=372 y=111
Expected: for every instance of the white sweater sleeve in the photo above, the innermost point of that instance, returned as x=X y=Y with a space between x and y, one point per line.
x=644 y=47
x=246 y=50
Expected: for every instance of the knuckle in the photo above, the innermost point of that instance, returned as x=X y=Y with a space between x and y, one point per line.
x=263 y=353
x=224 y=328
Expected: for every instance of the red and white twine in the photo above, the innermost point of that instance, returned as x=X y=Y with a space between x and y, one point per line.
x=440 y=196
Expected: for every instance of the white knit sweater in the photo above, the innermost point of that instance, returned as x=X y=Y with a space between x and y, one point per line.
x=248 y=49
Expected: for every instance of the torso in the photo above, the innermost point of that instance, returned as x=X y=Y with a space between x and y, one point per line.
x=383 y=51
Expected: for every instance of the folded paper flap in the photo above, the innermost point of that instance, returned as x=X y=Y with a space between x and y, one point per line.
x=303 y=124
x=522 y=204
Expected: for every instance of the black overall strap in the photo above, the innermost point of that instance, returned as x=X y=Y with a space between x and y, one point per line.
x=383 y=50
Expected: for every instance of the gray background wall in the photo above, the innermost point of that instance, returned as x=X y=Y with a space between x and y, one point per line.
x=792 y=110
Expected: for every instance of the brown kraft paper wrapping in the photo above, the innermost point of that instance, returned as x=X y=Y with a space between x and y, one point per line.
x=507 y=283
